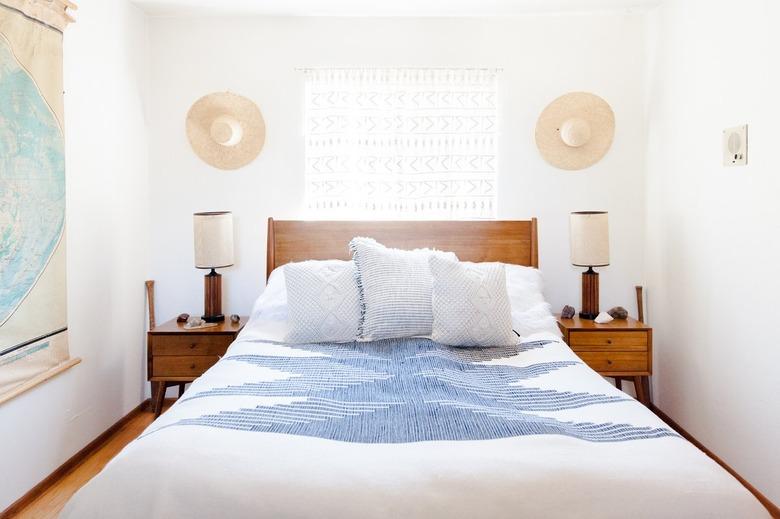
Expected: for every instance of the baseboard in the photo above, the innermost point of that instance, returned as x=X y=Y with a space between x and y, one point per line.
x=773 y=509
x=71 y=463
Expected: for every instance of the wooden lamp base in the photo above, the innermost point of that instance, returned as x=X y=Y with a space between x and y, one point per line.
x=590 y=294
x=212 y=297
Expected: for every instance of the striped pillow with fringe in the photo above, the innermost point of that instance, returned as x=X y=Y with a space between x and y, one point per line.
x=395 y=289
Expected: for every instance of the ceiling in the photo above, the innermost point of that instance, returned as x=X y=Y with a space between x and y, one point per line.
x=383 y=7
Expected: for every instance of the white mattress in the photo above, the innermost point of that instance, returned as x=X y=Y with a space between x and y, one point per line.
x=186 y=465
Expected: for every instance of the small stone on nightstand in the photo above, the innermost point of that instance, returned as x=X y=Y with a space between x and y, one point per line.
x=567 y=312
x=235 y=318
x=618 y=312
x=603 y=318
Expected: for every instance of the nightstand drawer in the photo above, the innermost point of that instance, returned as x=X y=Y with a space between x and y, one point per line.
x=190 y=344
x=182 y=366
x=616 y=361
x=608 y=341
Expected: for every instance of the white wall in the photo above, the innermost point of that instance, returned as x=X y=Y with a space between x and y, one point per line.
x=108 y=220
x=542 y=57
x=713 y=250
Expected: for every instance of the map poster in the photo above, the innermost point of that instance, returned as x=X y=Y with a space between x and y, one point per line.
x=33 y=313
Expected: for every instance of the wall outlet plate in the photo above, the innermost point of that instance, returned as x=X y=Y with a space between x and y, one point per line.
x=735 y=146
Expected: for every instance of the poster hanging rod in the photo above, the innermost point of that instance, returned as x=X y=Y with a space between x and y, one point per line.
x=481 y=69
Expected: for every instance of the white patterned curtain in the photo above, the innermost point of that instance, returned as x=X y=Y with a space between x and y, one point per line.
x=401 y=143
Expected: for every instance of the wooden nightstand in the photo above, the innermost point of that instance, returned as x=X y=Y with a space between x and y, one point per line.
x=620 y=349
x=176 y=354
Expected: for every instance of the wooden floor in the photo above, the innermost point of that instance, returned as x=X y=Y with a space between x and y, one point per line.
x=49 y=504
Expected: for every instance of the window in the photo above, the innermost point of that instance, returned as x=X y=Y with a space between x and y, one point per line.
x=400 y=143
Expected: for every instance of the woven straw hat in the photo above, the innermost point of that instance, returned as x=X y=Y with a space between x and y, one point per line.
x=575 y=131
x=226 y=130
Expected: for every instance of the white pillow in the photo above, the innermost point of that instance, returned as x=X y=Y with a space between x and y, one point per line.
x=273 y=299
x=470 y=304
x=530 y=311
x=323 y=302
x=395 y=289
x=524 y=285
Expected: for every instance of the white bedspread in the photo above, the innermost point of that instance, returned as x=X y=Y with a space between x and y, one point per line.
x=242 y=443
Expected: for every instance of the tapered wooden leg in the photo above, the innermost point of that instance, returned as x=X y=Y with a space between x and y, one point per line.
x=646 y=387
x=619 y=383
x=639 y=387
x=181 y=389
x=159 y=398
x=152 y=400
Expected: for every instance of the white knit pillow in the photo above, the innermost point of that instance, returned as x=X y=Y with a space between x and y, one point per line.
x=323 y=302
x=395 y=289
x=470 y=304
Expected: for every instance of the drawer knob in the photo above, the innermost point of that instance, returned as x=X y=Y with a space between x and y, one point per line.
x=192 y=366
x=609 y=362
x=192 y=346
x=609 y=341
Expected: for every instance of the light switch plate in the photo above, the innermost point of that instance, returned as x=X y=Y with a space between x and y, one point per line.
x=735 y=146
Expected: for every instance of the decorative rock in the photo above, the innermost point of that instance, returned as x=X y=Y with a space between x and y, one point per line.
x=618 y=312
x=567 y=312
x=603 y=318
x=235 y=318
x=182 y=318
x=194 y=322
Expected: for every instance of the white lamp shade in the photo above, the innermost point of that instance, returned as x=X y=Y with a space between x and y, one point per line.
x=589 y=234
x=213 y=239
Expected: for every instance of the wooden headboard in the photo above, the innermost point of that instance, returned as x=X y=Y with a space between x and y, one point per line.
x=493 y=240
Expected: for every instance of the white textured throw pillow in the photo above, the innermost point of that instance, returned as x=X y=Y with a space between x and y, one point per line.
x=395 y=289
x=323 y=301
x=470 y=304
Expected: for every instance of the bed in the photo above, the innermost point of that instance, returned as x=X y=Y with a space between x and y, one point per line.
x=406 y=427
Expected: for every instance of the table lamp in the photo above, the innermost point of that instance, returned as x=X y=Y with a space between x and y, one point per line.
x=589 y=235
x=213 y=249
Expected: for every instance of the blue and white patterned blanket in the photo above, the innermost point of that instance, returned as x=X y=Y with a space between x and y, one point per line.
x=408 y=390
